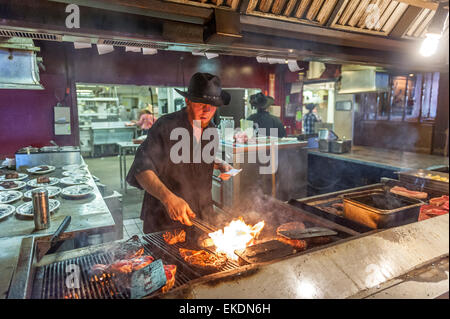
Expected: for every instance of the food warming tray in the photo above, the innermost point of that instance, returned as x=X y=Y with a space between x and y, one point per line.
x=381 y=209
x=419 y=177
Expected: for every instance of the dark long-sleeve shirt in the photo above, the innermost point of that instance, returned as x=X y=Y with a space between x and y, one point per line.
x=267 y=121
x=190 y=181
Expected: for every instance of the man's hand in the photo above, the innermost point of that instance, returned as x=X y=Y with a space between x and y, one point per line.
x=179 y=210
x=224 y=167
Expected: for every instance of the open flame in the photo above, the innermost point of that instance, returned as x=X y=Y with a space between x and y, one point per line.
x=236 y=235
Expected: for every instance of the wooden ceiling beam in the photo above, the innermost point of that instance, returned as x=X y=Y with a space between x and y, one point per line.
x=405 y=21
x=330 y=36
x=335 y=12
x=424 y=4
x=151 y=8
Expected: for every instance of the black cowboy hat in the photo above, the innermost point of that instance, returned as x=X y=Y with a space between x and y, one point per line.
x=261 y=101
x=310 y=106
x=206 y=88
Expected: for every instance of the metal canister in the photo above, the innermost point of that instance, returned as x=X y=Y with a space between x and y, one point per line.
x=41 y=209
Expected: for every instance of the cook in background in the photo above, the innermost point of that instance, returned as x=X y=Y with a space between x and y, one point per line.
x=146 y=120
x=124 y=115
x=177 y=192
x=263 y=118
x=310 y=118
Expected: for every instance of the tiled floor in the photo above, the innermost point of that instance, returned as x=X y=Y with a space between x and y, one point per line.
x=132 y=227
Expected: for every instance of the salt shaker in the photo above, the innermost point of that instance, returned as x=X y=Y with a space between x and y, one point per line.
x=41 y=209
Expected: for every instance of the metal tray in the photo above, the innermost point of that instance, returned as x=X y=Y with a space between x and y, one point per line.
x=381 y=209
x=419 y=177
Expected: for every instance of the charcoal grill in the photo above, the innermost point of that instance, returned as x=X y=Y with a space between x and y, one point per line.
x=50 y=279
x=47 y=278
x=49 y=282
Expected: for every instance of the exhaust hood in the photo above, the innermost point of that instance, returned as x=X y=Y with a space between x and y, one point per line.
x=19 y=64
x=363 y=80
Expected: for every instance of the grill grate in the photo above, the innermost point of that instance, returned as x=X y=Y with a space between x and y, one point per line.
x=157 y=242
x=53 y=279
x=50 y=280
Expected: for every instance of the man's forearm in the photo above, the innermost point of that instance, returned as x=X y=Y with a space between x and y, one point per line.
x=218 y=163
x=153 y=185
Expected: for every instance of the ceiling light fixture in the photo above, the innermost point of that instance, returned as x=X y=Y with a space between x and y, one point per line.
x=132 y=49
x=82 y=45
x=211 y=55
x=149 y=51
x=104 y=48
x=434 y=32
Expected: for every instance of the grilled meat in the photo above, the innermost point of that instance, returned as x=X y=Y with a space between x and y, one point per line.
x=178 y=236
x=429 y=211
x=11 y=175
x=299 y=244
x=440 y=201
x=42 y=168
x=43 y=180
x=170 y=271
x=7 y=185
x=203 y=259
x=323 y=240
x=402 y=191
x=290 y=226
x=141 y=262
x=130 y=249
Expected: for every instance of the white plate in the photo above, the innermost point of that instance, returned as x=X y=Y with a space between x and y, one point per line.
x=9 y=196
x=34 y=170
x=76 y=173
x=74 y=180
x=34 y=183
x=77 y=191
x=21 y=176
x=52 y=191
x=6 y=210
x=26 y=209
x=20 y=185
x=73 y=167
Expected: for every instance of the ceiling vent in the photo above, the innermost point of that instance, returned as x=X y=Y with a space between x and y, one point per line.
x=125 y=43
x=30 y=35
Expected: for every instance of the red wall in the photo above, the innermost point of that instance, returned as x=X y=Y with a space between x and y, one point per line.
x=26 y=116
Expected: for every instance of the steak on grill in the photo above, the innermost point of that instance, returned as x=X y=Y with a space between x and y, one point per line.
x=203 y=259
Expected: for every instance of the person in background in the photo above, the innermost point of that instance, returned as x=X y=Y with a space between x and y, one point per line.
x=263 y=118
x=123 y=113
x=310 y=119
x=146 y=120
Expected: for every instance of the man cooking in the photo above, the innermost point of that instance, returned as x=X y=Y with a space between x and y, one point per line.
x=177 y=191
x=263 y=119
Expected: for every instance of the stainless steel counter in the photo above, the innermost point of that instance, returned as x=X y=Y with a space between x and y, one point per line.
x=90 y=215
x=288 y=180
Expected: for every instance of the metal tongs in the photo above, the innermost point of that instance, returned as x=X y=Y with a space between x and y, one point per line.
x=45 y=246
x=307 y=233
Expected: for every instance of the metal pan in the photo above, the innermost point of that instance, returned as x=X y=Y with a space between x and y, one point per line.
x=381 y=209
x=421 y=177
